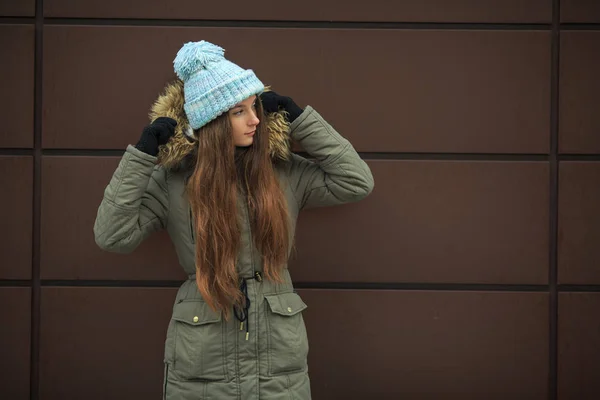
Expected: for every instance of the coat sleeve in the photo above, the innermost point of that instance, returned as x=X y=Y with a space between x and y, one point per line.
x=134 y=205
x=336 y=176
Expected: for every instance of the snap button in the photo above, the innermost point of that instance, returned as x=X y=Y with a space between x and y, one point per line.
x=289 y=309
x=196 y=319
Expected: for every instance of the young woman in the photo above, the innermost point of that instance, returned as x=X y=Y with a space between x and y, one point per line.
x=215 y=170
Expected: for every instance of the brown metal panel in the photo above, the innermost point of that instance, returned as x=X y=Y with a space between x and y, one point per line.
x=386 y=90
x=433 y=221
x=103 y=343
x=427 y=345
x=579 y=223
x=16 y=203
x=580 y=11
x=15 y=315
x=578 y=346
x=99 y=83
x=16 y=81
x=13 y=8
x=579 y=121
x=312 y=10
x=72 y=189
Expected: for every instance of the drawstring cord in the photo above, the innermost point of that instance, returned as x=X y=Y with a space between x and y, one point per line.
x=242 y=313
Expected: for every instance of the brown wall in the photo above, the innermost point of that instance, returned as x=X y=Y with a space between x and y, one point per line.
x=471 y=272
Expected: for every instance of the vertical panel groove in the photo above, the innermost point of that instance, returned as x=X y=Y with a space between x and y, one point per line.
x=37 y=169
x=553 y=242
x=224 y=23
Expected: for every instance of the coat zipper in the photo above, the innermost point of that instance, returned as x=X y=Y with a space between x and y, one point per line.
x=193 y=236
x=255 y=274
x=251 y=239
x=251 y=249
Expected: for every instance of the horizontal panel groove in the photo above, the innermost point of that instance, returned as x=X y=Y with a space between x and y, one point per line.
x=83 y=152
x=297 y=24
x=452 y=156
x=580 y=27
x=378 y=25
x=316 y=285
x=487 y=287
x=109 y=283
x=15 y=282
x=17 y=20
x=448 y=156
x=16 y=152
x=364 y=155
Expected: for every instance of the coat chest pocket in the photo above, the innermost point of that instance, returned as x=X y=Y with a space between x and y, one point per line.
x=287 y=339
x=198 y=342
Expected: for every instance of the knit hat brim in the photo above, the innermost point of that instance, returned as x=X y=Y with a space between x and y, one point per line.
x=210 y=105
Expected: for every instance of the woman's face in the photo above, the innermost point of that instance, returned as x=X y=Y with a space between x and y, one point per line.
x=243 y=122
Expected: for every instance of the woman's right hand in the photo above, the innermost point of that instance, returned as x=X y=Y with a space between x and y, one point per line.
x=156 y=134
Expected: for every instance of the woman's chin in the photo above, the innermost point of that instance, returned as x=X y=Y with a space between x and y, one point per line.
x=245 y=144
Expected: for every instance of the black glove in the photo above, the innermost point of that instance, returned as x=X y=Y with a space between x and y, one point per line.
x=157 y=133
x=272 y=102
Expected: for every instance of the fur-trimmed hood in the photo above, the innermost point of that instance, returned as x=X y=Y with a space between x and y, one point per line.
x=173 y=154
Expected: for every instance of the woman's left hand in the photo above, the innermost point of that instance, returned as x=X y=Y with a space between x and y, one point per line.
x=272 y=102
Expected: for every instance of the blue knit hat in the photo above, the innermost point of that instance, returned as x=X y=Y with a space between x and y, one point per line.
x=212 y=84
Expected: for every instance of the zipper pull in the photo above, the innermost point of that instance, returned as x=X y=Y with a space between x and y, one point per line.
x=241 y=326
x=192 y=234
x=258 y=276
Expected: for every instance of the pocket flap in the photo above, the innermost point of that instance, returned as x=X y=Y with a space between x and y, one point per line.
x=286 y=304
x=194 y=312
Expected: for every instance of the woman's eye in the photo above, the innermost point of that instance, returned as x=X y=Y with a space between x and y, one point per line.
x=238 y=112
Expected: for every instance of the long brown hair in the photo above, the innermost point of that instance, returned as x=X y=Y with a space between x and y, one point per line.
x=222 y=173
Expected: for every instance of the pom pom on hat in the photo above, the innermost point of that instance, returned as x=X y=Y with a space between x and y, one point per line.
x=194 y=56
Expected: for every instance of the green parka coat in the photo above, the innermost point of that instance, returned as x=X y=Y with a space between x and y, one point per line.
x=206 y=356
